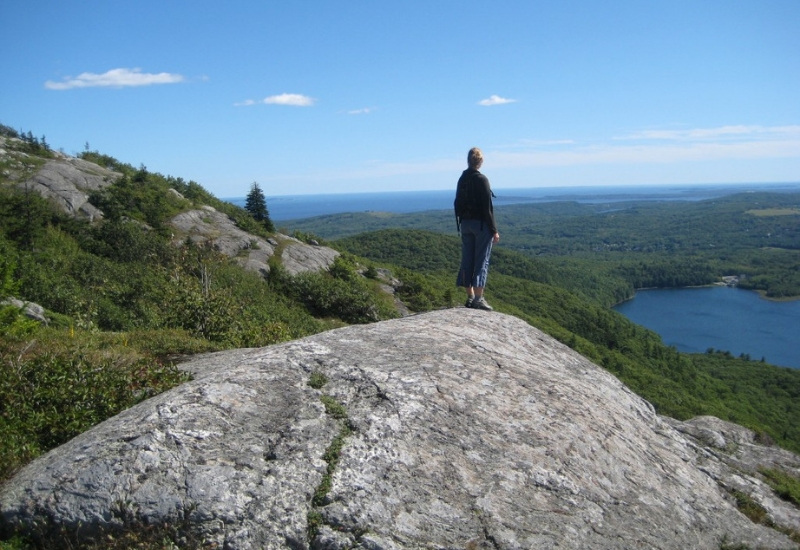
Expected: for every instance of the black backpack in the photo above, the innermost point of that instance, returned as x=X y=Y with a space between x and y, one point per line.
x=466 y=204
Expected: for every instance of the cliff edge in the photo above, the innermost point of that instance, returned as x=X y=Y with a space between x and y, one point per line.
x=450 y=429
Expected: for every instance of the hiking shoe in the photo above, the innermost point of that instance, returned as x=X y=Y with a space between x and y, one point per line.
x=480 y=303
x=470 y=301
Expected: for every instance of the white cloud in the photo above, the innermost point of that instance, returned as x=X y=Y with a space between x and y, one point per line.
x=293 y=100
x=115 y=78
x=495 y=100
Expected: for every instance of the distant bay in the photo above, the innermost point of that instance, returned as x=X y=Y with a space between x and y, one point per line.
x=295 y=207
x=723 y=318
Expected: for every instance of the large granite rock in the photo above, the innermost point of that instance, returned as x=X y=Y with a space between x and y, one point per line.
x=461 y=429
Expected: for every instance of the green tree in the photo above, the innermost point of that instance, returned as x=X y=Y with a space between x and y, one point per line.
x=256 y=204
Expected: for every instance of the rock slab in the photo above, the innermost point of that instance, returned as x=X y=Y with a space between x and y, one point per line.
x=463 y=429
x=208 y=226
x=68 y=181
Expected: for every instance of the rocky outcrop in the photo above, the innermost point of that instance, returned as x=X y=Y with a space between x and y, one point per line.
x=733 y=457
x=207 y=226
x=68 y=181
x=451 y=429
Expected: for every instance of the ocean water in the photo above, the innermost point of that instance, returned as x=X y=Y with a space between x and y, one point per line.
x=295 y=207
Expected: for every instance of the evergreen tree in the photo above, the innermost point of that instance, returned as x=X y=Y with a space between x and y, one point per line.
x=256 y=204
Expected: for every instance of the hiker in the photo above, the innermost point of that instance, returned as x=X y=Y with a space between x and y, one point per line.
x=475 y=222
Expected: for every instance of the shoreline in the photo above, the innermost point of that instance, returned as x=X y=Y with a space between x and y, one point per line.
x=761 y=293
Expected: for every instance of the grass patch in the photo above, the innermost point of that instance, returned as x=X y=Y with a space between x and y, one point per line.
x=332 y=455
x=334 y=408
x=750 y=508
x=317 y=381
x=758 y=514
x=785 y=486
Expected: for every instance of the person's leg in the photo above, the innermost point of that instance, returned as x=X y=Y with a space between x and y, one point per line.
x=483 y=251
x=467 y=269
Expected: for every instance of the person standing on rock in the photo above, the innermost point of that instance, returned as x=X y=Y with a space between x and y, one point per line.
x=475 y=221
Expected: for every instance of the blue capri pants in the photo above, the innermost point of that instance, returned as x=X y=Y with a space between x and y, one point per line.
x=476 y=247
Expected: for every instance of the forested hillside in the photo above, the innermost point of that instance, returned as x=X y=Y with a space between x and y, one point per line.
x=126 y=303
x=633 y=244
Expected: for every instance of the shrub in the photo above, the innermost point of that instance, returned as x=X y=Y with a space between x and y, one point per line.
x=52 y=391
x=328 y=296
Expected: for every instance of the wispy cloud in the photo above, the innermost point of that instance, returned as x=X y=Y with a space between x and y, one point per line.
x=115 y=78
x=495 y=100
x=666 y=146
x=732 y=132
x=292 y=100
x=364 y=111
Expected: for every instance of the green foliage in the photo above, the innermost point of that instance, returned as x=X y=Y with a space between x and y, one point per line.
x=8 y=285
x=424 y=293
x=331 y=457
x=750 y=508
x=756 y=513
x=127 y=242
x=762 y=397
x=141 y=196
x=12 y=321
x=606 y=250
x=341 y=293
x=25 y=216
x=333 y=408
x=317 y=380
x=27 y=142
x=785 y=486
x=51 y=392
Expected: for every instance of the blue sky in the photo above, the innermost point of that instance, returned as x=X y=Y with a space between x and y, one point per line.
x=340 y=96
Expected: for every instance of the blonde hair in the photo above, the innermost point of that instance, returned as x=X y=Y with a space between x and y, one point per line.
x=474 y=158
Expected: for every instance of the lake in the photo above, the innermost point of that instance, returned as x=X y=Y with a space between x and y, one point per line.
x=724 y=318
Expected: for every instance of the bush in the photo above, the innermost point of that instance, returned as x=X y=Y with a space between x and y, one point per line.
x=52 y=391
x=328 y=296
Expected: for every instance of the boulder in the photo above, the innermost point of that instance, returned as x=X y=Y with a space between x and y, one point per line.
x=451 y=429
x=31 y=310
x=298 y=257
